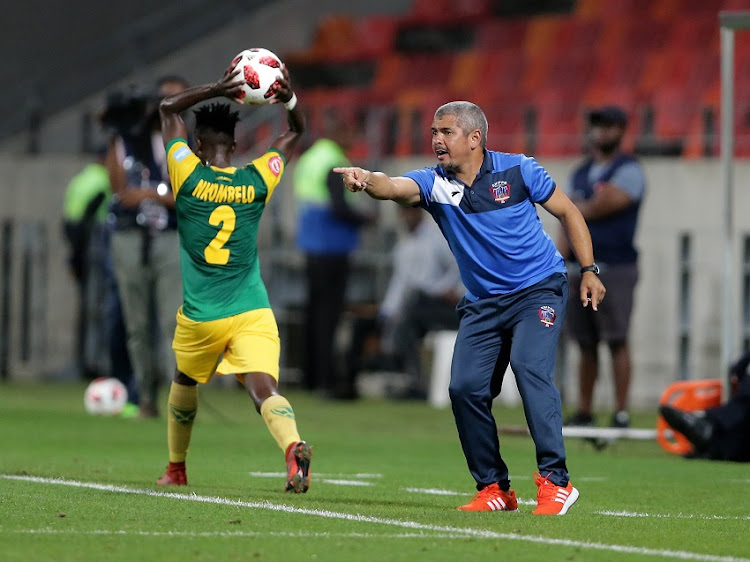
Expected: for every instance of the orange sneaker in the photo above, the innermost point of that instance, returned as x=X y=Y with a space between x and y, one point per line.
x=298 y=457
x=492 y=498
x=174 y=476
x=552 y=499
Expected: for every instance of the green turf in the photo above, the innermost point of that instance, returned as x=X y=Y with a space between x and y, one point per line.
x=695 y=510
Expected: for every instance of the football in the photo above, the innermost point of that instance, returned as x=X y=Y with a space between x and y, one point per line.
x=105 y=396
x=260 y=70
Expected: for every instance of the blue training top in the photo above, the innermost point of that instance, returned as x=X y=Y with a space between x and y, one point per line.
x=492 y=227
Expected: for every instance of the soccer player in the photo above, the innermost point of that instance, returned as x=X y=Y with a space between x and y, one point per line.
x=517 y=290
x=225 y=313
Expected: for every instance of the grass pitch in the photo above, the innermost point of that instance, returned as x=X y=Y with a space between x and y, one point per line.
x=387 y=478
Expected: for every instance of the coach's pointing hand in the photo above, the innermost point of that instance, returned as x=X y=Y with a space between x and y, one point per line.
x=355 y=179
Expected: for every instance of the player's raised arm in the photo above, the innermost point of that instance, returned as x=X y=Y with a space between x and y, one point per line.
x=286 y=142
x=378 y=185
x=170 y=108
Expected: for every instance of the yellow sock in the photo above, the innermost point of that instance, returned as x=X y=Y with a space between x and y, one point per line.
x=279 y=418
x=183 y=404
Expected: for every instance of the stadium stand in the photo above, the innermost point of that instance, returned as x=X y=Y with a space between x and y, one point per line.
x=536 y=76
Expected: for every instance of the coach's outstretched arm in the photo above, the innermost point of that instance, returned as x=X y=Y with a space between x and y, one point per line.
x=378 y=185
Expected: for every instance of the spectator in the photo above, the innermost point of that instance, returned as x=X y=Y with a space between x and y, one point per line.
x=608 y=189
x=485 y=204
x=145 y=248
x=421 y=296
x=327 y=233
x=84 y=218
x=721 y=433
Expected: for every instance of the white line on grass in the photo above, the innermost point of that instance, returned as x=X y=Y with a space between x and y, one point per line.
x=232 y=534
x=667 y=516
x=325 y=478
x=434 y=492
x=339 y=482
x=365 y=475
x=461 y=531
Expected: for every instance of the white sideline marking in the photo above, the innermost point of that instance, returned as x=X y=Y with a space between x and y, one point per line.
x=325 y=478
x=678 y=516
x=609 y=432
x=317 y=475
x=233 y=534
x=434 y=492
x=459 y=531
x=344 y=482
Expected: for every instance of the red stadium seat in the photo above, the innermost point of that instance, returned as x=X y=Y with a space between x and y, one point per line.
x=577 y=37
x=633 y=53
x=447 y=11
x=496 y=34
x=374 y=35
x=559 y=125
x=506 y=132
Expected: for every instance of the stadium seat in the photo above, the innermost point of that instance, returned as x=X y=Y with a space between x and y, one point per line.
x=501 y=34
x=467 y=73
x=589 y=9
x=390 y=76
x=690 y=32
x=634 y=53
x=501 y=71
x=334 y=38
x=374 y=35
x=540 y=35
x=559 y=124
x=673 y=110
x=415 y=109
x=447 y=11
x=577 y=37
x=690 y=396
x=507 y=124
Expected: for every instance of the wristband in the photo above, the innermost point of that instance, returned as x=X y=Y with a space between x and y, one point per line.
x=292 y=103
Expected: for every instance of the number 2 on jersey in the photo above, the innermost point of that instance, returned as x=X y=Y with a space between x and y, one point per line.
x=215 y=253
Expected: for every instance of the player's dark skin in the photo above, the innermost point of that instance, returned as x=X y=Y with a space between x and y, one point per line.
x=216 y=149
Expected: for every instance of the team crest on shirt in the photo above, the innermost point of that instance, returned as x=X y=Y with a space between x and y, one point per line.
x=547 y=315
x=274 y=164
x=500 y=191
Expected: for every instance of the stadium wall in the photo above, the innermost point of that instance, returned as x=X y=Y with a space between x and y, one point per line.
x=684 y=198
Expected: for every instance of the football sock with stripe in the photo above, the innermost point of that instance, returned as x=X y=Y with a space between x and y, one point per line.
x=183 y=405
x=279 y=418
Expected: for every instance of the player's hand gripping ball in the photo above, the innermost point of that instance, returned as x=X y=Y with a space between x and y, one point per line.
x=260 y=70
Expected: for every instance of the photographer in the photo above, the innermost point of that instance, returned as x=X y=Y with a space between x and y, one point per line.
x=144 y=244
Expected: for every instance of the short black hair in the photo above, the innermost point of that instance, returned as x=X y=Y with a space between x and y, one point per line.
x=216 y=118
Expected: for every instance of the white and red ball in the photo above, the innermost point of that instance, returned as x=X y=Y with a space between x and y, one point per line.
x=260 y=70
x=105 y=396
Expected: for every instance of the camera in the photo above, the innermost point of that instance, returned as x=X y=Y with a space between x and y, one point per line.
x=131 y=112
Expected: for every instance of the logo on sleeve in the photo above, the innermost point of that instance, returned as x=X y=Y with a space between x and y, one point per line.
x=500 y=191
x=547 y=315
x=181 y=153
x=274 y=164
